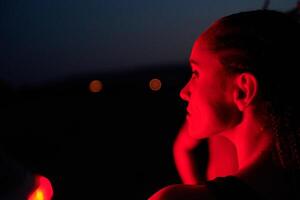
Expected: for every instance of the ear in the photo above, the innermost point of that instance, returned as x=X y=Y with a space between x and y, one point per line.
x=245 y=90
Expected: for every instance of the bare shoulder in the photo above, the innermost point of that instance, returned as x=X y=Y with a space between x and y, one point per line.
x=183 y=192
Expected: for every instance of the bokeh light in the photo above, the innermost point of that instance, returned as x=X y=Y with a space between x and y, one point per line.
x=43 y=190
x=155 y=84
x=95 y=86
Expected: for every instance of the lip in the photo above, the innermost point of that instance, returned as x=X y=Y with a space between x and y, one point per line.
x=188 y=111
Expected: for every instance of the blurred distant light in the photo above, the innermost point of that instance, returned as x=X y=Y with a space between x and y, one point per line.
x=43 y=190
x=95 y=86
x=155 y=84
x=39 y=195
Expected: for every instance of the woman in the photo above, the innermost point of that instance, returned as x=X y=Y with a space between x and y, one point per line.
x=244 y=88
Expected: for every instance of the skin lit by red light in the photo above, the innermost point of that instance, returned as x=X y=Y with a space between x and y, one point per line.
x=43 y=190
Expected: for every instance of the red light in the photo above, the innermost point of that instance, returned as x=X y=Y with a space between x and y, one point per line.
x=95 y=86
x=43 y=190
x=155 y=84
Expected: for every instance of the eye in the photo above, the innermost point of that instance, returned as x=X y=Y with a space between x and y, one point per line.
x=195 y=73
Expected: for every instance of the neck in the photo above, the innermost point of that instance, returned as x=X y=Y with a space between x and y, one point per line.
x=251 y=141
x=254 y=154
x=251 y=147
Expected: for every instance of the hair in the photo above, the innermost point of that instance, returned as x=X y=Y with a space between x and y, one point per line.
x=264 y=43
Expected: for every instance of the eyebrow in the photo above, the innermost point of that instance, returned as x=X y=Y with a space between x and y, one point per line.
x=194 y=63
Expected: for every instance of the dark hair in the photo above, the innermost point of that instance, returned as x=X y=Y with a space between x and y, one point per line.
x=265 y=43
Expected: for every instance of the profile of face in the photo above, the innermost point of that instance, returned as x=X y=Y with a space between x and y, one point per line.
x=209 y=93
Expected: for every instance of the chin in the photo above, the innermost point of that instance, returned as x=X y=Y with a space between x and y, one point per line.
x=197 y=133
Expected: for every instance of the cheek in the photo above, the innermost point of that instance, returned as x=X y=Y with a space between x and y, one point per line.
x=202 y=98
x=215 y=108
x=227 y=114
x=225 y=106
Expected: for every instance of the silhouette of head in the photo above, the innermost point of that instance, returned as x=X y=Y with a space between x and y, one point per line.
x=262 y=43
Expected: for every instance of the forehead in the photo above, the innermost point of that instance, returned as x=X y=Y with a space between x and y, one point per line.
x=202 y=56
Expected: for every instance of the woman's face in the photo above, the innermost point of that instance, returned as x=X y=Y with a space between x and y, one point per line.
x=209 y=94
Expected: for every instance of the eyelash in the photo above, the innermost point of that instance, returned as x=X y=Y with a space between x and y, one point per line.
x=195 y=73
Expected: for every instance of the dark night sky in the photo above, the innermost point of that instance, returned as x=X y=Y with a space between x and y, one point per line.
x=51 y=39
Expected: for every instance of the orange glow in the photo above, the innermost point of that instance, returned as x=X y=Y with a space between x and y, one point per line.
x=155 y=84
x=43 y=190
x=95 y=86
x=38 y=195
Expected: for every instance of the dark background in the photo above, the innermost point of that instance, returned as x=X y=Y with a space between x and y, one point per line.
x=48 y=40
x=114 y=144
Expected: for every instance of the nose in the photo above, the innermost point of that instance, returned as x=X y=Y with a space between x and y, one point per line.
x=185 y=92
